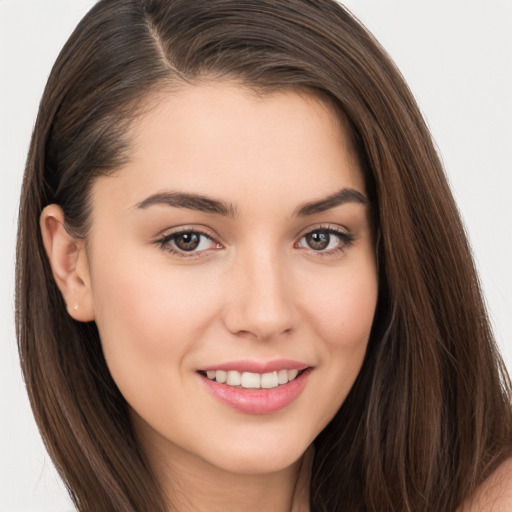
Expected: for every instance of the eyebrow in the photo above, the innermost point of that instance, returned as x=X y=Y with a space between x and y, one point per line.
x=343 y=196
x=190 y=202
x=208 y=205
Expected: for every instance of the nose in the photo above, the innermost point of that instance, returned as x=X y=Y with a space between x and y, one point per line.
x=260 y=301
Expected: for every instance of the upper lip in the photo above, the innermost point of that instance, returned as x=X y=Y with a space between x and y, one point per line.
x=259 y=366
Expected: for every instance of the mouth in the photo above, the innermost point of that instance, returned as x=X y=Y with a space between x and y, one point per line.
x=252 y=380
x=255 y=393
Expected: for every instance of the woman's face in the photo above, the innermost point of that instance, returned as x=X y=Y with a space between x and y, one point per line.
x=236 y=244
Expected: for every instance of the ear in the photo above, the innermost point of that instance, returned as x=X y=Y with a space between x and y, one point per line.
x=68 y=260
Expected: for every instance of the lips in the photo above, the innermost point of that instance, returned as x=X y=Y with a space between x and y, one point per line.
x=257 y=388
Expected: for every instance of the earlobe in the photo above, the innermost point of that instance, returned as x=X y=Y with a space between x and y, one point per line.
x=69 y=264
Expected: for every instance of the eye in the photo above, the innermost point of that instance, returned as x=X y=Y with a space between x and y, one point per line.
x=326 y=240
x=187 y=241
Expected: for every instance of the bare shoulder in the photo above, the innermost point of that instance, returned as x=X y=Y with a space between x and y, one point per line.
x=495 y=493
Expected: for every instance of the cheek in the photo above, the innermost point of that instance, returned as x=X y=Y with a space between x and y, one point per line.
x=341 y=312
x=342 y=308
x=146 y=314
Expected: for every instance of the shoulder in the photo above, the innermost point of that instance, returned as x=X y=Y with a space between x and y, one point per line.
x=494 y=494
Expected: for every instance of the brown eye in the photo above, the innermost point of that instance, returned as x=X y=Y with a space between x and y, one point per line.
x=187 y=241
x=326 y=241
x=318 y=240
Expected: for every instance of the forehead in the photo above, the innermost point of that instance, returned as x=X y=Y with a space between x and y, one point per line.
x=223 y=139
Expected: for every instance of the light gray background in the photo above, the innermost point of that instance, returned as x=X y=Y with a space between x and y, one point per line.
x=457 y=58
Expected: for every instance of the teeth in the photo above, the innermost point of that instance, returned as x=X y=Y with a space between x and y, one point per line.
x=292 y=374
x=269 y=380
x=251 y=380
x=234 y=378
x=282 y=376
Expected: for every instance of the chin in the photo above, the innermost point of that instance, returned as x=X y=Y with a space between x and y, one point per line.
x=262 y=456
x=260 y=464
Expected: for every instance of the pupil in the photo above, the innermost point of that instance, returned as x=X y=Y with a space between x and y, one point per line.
x=318 y=240
x=187 y=241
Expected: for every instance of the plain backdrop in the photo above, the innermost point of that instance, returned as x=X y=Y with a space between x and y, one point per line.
x=457 y=59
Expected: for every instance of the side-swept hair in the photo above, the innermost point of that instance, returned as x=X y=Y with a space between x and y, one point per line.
x=429 y=417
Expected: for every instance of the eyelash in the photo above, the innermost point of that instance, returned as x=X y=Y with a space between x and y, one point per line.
x=164 y=243
x=346 y=240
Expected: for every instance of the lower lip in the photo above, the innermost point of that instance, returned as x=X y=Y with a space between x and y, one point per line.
x=259 y=401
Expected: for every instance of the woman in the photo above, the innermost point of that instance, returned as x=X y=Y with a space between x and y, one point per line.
x=242 y=279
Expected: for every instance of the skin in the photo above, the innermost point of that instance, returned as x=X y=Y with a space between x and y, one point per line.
x=494 y=494
x=257 y=293
x=254 y=290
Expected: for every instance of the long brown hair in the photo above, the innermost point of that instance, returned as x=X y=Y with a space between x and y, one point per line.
x=429 y=416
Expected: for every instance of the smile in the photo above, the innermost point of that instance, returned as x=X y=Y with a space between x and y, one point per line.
x=250 y=380
x=252 y=392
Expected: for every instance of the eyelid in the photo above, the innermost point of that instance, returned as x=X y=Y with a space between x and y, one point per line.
x=327 y=226
x=187 y=228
